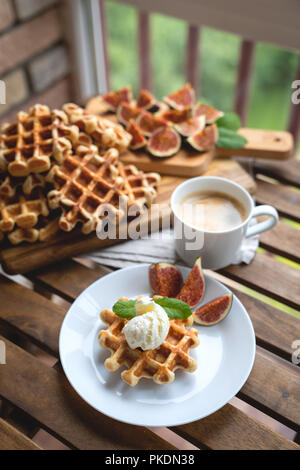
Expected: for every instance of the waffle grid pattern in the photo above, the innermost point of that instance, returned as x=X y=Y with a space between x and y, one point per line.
x=29 y=144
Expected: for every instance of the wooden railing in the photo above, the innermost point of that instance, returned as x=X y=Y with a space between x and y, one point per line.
x=258 y=20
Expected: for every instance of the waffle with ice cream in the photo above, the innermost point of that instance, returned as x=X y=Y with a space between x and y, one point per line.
x=150 y=344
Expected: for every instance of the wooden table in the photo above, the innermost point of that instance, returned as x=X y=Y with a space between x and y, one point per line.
x=35 y=393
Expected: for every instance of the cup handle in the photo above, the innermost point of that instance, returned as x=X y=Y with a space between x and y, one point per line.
x=266 y=224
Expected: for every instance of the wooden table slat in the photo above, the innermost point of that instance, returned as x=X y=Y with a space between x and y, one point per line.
x=283 y=240
x=68 y=279
x=286 y=200
x=31 y=314
x=274 y=387
x=287 y=172
x=45 y=394
x=268 y=276
x=231 y=429
x=275 y=330
x=12 y=439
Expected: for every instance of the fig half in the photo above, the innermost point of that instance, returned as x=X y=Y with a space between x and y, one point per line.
x=148 y=123
x=183 y=98
x=211 y=114
x=146 y=100
x=205 y=139
x=138 y=140
x=165 y=279
x=164 y=142
x=126 y=111
x=194 y=286
x=114 y=98
x=213 y=312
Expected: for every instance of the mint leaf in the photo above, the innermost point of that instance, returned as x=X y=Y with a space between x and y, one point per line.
x=229 y=121
x=125 y=308
x=230 y=139
x=175 y=308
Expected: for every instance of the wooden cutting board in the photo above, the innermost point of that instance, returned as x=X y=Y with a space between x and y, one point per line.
x=27 y=257
x=277 y=145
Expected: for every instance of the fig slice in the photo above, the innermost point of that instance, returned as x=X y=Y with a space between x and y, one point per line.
x=126 y=111
x=138 y=140
x=114 y=98
x=205 y=139
x=211 y=114
x=165 y=279
x=194 y=286
x=159 y=108
x=191 y=126
x=213 y=312
x=177 y=115
x=146 y=100
x=149 y=123
x=185 y=97
x=164 y=142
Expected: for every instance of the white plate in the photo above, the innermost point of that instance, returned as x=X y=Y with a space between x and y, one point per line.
x=225 y=358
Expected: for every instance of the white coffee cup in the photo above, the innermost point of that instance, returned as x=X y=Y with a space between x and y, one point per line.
x=217 y=249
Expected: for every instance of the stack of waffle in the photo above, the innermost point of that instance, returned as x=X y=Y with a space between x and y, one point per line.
x=61 y=168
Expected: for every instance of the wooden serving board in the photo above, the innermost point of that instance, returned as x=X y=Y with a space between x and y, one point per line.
x=261 y=144
x=27 y=257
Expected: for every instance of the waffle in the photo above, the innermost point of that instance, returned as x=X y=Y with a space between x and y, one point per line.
x=34 y=140
x=157 y=364
x=89 y=186
x=43 y=231
x=23 y=211
x=85 y=186
x=105 y=133
x=9 y=184
x=138 y=186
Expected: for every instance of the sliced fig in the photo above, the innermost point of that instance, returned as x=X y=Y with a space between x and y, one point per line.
x=177 y=115
x=194 y=286
x=191 y=126
x=114 y=98
x=164 y=142
x=213 y=312
x=183 y=98
x=205 y=139
x=145 y=100
x=138 y=140
x=159 y=108
x=126 y=111
x=149 y=123
x=165 y=279
x=211 y=114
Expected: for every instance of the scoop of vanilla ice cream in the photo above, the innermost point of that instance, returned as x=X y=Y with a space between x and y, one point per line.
x=149 y=328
